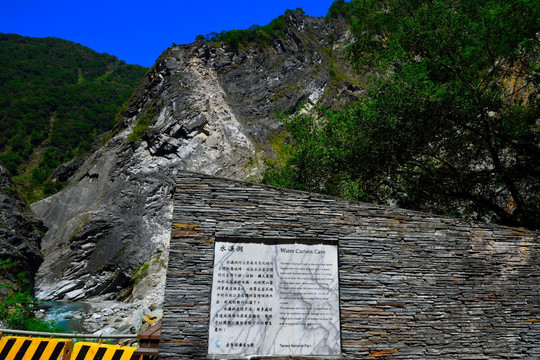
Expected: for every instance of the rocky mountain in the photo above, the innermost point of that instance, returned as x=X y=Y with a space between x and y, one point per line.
x=19 y=238
x=205 y=107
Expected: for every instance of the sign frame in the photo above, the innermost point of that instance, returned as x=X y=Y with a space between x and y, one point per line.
x=309 y=263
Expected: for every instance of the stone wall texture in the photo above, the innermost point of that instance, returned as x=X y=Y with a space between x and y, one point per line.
x=412 y=285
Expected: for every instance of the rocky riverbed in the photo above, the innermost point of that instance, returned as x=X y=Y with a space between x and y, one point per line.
x=101 y=316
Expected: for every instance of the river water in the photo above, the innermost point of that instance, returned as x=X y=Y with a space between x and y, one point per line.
x=66 y=314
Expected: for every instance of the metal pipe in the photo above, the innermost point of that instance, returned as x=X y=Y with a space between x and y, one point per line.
x=68 y=335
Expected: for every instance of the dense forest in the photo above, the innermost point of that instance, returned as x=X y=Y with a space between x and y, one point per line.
x=56 y=97
x=451 y=121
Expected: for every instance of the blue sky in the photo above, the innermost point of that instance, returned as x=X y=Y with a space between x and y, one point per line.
x=139 y=31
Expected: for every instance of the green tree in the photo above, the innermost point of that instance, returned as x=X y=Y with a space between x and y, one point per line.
x=339 y=8
x=451 y=122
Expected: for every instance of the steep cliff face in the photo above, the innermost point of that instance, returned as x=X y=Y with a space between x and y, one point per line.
x=19 y=237
x=203 y=108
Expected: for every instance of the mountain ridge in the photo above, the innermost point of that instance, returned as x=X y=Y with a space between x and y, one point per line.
x=56 y=98
x=203 y=107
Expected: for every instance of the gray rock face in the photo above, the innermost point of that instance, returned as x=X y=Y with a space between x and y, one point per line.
x=210 y=110
x=19 y=236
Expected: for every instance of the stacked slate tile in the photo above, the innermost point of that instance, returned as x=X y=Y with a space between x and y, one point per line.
x=412 y=285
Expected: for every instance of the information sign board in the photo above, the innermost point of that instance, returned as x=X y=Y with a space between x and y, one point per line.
x=275 y=298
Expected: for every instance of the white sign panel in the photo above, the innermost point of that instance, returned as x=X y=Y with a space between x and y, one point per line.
x=274 y=299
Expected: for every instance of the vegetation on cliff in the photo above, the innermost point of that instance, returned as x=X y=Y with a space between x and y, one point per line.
x=255 y=34
x=56 y=97
x=18 y=308
x=451 y=123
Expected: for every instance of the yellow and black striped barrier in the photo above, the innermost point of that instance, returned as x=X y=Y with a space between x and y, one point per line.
x=93 y=351
x=27 y=348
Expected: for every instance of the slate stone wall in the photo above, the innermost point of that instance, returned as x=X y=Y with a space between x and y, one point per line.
x=412 y=285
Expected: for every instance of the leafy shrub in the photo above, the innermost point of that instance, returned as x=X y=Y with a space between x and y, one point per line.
x=143 y=122
x=17 y=308
x=261 y=35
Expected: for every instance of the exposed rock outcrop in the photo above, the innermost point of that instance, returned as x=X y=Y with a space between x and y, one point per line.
x=19 y=238
x=204 y=108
